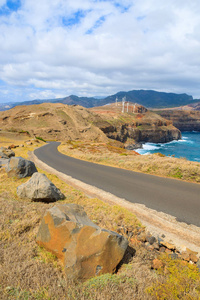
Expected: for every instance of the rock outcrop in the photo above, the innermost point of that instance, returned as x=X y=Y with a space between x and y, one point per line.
x=20 y=167
x=138 y=127
x=85 y=249
x=6 y=153
x=39 y=188
x=184 y=120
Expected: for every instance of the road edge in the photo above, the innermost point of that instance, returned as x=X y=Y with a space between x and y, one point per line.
x=157 y=223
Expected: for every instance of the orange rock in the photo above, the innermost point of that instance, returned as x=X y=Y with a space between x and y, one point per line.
x=193 y=258
x=168 y=245
x=185 y=256
x=84 y=248
x=157 y=264
x=12 y=146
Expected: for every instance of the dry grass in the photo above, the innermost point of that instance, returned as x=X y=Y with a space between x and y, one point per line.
x=155 y=164
x=30 y=272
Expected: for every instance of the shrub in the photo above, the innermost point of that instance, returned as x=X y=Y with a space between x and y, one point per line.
x=40 y=138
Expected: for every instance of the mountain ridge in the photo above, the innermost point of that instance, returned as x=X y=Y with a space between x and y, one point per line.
x=147 y=98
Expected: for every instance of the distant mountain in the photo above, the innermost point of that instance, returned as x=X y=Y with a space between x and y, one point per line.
x=83 y=101
x=151 y=99
x=147 y=98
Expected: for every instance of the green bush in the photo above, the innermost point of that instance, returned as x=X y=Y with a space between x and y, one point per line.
x=40 y=138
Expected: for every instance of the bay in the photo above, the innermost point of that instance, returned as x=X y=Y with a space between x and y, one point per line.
x=188 y=147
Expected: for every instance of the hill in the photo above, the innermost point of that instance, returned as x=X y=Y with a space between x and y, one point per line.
x=52 y=122
x=55 y=121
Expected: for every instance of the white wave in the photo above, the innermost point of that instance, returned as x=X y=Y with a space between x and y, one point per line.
x=150 y=146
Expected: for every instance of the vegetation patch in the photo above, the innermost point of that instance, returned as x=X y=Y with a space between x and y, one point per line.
x=181 y=280
x=40 y=139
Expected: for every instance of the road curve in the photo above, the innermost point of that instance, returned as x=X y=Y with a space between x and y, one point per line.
x=174 y=197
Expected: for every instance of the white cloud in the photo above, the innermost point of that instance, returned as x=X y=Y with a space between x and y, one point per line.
x=99 y=47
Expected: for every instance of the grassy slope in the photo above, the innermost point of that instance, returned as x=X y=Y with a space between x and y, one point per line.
x=155 y=164
x=29 y=272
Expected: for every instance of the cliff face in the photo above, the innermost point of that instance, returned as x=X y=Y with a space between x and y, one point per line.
x=184 y=120
x=145 y=133
x=134 y=127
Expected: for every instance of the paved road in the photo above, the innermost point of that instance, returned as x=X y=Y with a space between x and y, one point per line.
x=179 y=199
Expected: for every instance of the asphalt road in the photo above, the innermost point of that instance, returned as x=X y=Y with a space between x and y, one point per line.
x=174 y=197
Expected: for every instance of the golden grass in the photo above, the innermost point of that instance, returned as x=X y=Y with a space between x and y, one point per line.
x=155 y=164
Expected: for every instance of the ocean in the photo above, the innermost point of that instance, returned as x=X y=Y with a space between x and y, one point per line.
x=188 y=147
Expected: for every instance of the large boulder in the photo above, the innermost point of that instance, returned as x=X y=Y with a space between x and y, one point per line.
x=39 y=188
x=3 y=162
x=6 y=153
x=20 y=167
x=85 y=249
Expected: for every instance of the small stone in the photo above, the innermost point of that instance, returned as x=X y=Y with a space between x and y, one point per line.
x=160 y=241
x=151 y=247
x=168 y=251
x=162 y=249
x=191 y=251
x=6 y=153
x=156 y=246
x=174 y=256
x=193 y=258
x=157 y=264
x=185 y=256
x=151 y=239
x=12 y=146
x=168 y=245
x=142 y=237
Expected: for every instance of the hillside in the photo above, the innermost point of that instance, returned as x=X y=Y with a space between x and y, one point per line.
x=147 y=98
x=63 y=122
x=52 y=122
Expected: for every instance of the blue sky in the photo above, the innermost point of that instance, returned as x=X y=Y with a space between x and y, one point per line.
x=51 y=49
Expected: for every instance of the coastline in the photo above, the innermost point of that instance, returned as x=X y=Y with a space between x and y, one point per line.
x=176 y=148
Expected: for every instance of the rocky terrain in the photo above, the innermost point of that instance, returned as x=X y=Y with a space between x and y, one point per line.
x=185 y=118
x=63 y=122
x=137 y=124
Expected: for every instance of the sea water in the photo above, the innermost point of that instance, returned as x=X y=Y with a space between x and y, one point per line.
x=188 y=147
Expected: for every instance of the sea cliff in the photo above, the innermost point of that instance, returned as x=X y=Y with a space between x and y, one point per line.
x=184 y=120
x=135 y=126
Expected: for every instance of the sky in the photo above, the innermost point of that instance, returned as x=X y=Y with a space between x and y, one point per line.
x=55 y=48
